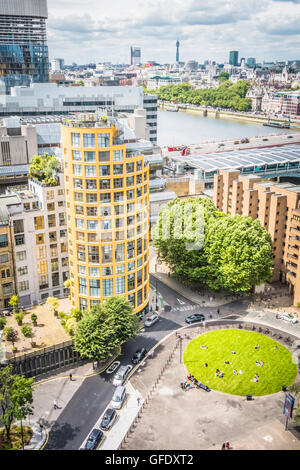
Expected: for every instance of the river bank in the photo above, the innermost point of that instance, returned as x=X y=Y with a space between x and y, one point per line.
x=226 y=115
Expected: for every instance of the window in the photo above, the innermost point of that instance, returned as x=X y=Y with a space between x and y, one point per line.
x=51 y=220
x=21 y=255
x=89 y=140
x=90 y=170
x=139 y=246
x=52 y=236
x=104 y=156
x=107 y=287
x=130 y=220
x=63 y=233
x=81 y=253
x=90 y=198
x=92 y=211
x=131 y=281
x=120 y=285
x=64 y=262
x=105 y=198
x=91 y=184
x=82 y=270
x=80 y=236
x=89 y=157
x=103 y=140
x=55 y=279
x=83 y=304
x=130 y=181
x=104 y=170
x=119 y=252
x=93 y=254
x=107 y=271
x=22 y=271
x=139 y=192
x=118 y=155
x=130 y=250
x=119 y=209
x=4 y=258
x=120 y=269
x=119 y=222
x=104 y=184
x=18 y=226
x=78 y=197
x=140 y=297
x=129 y=167
x=77 y=170
x=54 y=265
x=63 y=247
x=19 y=240
x=76 y=155
x=22 y=286
x=62 y=219
x=139 y=179
x=92 y=225
x=118 y=197
x=131 y=299
x=139 y=165
x=7 y=289
x=40 y=239
x=82 y=285
x=78 y=183
x=94 y=288
x=39 y=223
x=61 y=203
x=118 y=169
x=76 y=140
x=4 y=240
x=118 y=183
x=79 y=210
x=130 y=194
x=130 y=208
x=139 y=277
x=50 y=195
x=94 y=272
x=107 y=254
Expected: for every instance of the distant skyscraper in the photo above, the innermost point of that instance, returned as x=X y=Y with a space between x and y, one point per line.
x=177 y=51
x=23 y=42
x=57 y=65
x=135 y=55
x=251 y=62
x=234 y=58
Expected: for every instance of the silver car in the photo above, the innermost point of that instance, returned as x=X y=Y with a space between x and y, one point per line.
x=121 y=375
x=118 y=398
x=152 y=320
x=288 y=317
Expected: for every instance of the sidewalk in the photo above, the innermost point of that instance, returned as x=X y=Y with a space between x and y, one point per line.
x=218 y=299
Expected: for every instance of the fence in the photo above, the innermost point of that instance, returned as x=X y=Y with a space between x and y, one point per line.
x=45 y=360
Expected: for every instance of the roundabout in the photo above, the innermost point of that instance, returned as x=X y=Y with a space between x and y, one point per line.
x=239 y=362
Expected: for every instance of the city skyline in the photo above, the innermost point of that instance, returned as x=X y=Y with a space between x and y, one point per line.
x=205 y=31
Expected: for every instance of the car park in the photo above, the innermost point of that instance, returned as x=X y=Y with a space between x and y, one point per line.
x=288 y=317
x=121 y=375
x=118 y=398
x=139 y=355
x=197 y=317
x=93 y=440
x=108 y=419
x=152 y=319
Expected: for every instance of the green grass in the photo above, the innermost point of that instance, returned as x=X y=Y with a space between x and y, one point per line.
x=279 y=368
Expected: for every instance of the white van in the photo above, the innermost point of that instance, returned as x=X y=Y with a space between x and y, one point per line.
x=118 y=398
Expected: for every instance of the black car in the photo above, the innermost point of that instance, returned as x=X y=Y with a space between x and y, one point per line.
x=195 y=318
x=139 y=355
x=93 y=440
x=108 y=419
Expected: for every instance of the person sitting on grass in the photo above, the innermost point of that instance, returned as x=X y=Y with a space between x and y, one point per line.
x=203 y=347
x=217 y=373
x=261 y=363
x=227 y=362
x=257 y=346
x=221 y=375
x=205 y=364
x=235 y=372
x=233 y=352
x=240 y=371
x=258 y=363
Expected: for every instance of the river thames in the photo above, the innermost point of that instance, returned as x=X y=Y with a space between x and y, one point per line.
x=188 y=128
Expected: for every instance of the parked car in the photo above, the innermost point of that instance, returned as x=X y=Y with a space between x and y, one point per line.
x=93 y=440
x=195 y=318
x=288 y=317
x=139 y=355
x=221 y=145
x=118 y=398
x=108 y=419
x=265 y=140
x=121 y=375
x=290 y=137
x=152 y=320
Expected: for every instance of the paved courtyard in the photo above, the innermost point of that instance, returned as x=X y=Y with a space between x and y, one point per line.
x=194 y=419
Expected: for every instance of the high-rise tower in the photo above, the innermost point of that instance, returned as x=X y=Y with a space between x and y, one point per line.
x=177 y=51
x=23 y=42
x=135 y=55
x=107 y=191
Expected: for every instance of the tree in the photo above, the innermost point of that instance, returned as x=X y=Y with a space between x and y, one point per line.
x=53 y=305
x=105 y=328
x=10 y=335
x=19 y=317
x=44 y=169
x=15 y=398
x=26 y=331
x=34 y=319
x=234 y=253
x=14 y=303
x=2 y=323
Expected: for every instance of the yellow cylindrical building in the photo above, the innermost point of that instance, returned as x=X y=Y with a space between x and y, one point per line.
x=107 y=195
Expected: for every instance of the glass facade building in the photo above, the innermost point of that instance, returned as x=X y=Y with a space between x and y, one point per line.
x=234 y=58
x=23 y=42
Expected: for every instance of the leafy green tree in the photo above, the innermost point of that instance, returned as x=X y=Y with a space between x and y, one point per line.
x=53 y=305
x=234 y=253
x=26 y=331
x=14 y=303
x=105 y=328
x=10 y=335
x=44 y=168
x=19 y=317
x=2 y=323
x=34 y=319
x=16 y=398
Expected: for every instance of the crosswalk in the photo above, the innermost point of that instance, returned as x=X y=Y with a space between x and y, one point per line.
x=187 y=308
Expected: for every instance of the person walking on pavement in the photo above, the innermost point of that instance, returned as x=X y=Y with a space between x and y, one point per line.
x=210 y=315
x=55 y=405
x=223 y=446
x=138 y=401
x=227 y=445
x=218 y=311
x=71 y=377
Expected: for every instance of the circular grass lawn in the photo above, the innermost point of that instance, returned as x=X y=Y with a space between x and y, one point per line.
x=278 y=369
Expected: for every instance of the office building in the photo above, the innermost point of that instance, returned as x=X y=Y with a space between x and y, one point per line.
x=107 y=194
x=234 y=58
x=57 y=65
x=48 y=99
x=177 y=51
x=251 y=61
x=135 y=55
x=18 y=142
x=277 y=207
x=23 y=42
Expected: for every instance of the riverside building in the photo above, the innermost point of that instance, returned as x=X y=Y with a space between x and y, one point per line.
x=277 y=207
x=107 y=194
x=23 y=42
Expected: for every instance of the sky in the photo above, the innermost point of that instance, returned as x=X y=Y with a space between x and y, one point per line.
x=84 y=31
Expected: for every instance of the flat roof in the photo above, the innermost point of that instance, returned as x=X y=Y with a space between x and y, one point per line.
x=248 y=158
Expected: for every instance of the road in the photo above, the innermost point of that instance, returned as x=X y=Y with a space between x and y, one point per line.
x=91 y=399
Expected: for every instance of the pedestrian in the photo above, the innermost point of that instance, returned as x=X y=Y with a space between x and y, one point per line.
x=210 y=315
x=227 y=445
x=218 y=311
x=205 y=364
x=71 y=377
x=55 y=405
x=138 y=401
x=223 y=446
